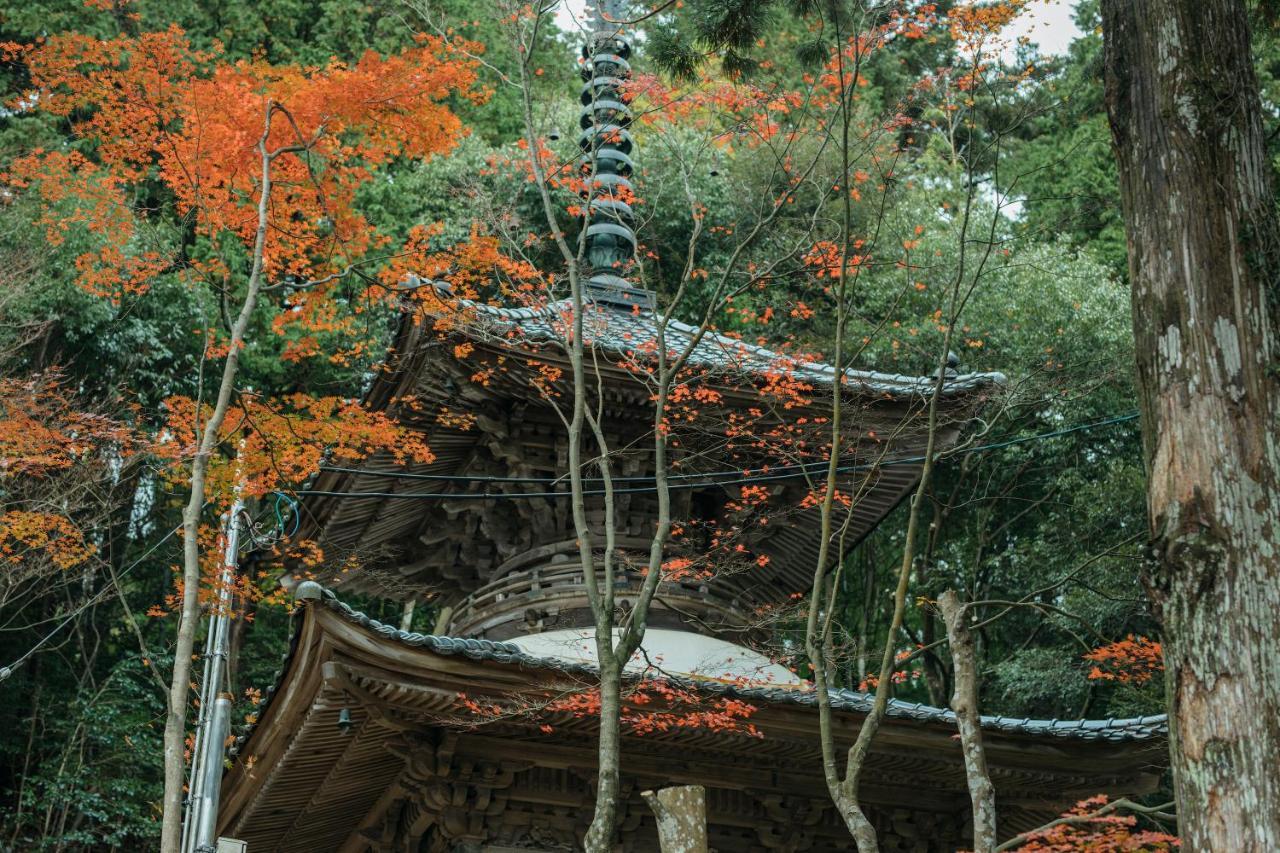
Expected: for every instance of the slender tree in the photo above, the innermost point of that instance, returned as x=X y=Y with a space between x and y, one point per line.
x=261 y=162
x=964 y=701
x=974 y=30
x=1200 y=216
x=662 y=365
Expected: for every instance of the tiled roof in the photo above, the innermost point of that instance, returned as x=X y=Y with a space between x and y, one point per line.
x=1113 y=730
x=621 y=329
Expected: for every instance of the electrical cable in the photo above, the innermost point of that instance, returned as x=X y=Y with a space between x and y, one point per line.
x=297 y=517
x=704 y=480
x=552 y=481
x=269 y=538
x=7 y=671
x=708 y=479
x=279 y=534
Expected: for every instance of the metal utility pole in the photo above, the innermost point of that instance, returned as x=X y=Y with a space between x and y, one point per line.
x=214 y=719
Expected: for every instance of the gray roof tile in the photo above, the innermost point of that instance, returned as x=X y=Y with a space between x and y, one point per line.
x=621 y=330
x=1113 y=730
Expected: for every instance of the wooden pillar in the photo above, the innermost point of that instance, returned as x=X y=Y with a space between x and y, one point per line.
x=682 y=818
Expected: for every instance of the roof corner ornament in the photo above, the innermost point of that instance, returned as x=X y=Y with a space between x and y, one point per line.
x=606 y=145
x=308 y=591
x=952 y=370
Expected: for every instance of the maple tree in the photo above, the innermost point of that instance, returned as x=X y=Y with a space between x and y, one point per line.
x=260 y=163
x=1099 y=825
x=972 y=29
x=687 y=401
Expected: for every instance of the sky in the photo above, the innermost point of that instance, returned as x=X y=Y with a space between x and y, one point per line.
x=1046 y=22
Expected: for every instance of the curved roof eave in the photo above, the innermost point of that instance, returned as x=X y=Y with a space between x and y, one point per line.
x=623 y=330
x=1131 y=729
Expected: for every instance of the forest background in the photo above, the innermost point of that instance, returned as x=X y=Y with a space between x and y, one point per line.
x=81 y=718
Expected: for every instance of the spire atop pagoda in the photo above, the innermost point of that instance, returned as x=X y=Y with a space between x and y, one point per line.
x=606 y=144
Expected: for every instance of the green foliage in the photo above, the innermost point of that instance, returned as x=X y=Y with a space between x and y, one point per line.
x=95 y=771
x=1063 y=161
x=1038 y=682
x=146 y=345
x=1025 y=517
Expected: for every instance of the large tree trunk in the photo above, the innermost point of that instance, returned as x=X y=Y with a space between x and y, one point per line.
x=1195 y=184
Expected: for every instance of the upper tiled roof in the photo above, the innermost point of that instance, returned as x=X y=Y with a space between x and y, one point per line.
x=620 y=329
x=1113 y=730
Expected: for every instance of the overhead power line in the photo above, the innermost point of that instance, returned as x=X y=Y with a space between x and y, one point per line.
x=790 y=472
x=682 y=481
x=6 y=671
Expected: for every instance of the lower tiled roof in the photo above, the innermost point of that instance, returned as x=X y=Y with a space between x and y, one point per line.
x=1113 y=730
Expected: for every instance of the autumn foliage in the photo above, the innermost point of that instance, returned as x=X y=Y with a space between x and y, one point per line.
x=1089 y=830
x=175 y=153
x=169 y=132
x=43 y=431
x=1133 y=660
x=153 y=108
x=282 y=441
x=650 y=706
x=44 y=436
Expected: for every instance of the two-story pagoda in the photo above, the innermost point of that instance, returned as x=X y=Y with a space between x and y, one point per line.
x=359 y=746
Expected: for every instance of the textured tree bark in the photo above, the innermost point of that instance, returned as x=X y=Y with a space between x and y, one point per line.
x=682 y=818
x=964 y=701
x=599 y=837
x=1202 y=232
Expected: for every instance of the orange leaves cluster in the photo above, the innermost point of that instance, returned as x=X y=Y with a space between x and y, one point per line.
x=781 y=384
x=1108 y=833
x=42 y=432
x=651 y=705
x=825 y=257
x=839 y=71
x=976 y=29
x=282 y=442
x=126 y=93
x=43 y=435
x=55 y=536
x=915 y=23
x=258 y=586
x=758 y=113
x=680 y=707
x=972 y=24
x=78 y=192
x=688 y=399
x=1133 y=660
x=476 y=269
x=682 y=568
x=155 y=108
x=462 y=421
x=899 y=676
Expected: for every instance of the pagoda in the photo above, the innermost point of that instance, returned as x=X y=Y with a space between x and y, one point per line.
x=361 y=745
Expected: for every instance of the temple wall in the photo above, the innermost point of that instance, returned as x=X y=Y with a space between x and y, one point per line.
x=549 y=809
